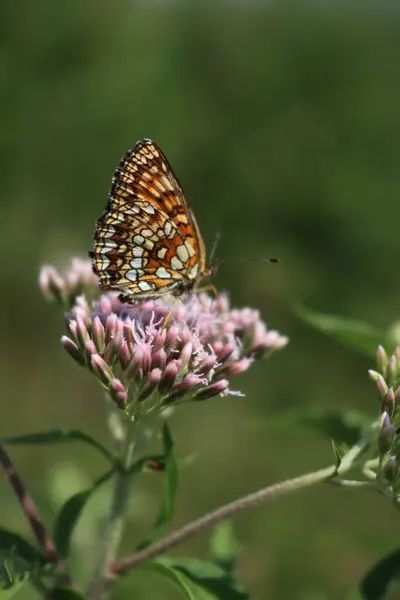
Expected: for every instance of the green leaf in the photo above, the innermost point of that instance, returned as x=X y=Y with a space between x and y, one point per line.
x=57 y=436
x=357 y=334
x=199 y=580
x=382 y=582
x=18 y=559
x=170 y=488
x=345 y=426
x=5 y=594
x=69 y=514
x=12 y=544
x=224 y=547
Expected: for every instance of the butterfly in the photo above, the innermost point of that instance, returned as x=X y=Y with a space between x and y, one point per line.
x=147 y=242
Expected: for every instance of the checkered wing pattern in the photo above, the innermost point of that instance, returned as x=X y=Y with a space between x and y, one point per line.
x=147 y=242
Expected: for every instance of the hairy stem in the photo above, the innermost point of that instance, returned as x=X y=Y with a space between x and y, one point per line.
x=218 y=515
x=100 y=587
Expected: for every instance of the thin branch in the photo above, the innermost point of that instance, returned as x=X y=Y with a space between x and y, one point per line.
x=220 y=514
x=39 y=530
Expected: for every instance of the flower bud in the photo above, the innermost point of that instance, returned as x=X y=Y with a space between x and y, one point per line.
x=159 y=359
x=187 y=385
x=390 y=469
x=391 y=370
x=238 y=367
x=207 y=364
x=51 y=284
x=169 y=376
x=381 y=360
x=212 y=390
x=186 y=355
x=118 y=393
x=159 y=340
x=82 y=333
x=98 y=334
x=385 y=439
x=124 y=355
x=72 y=349
x=150 y=384
x=111 y=327
x=101 y=368
x=382 y=386
x=171 y=336
x=374 y=375
x=388 y=402
x=90 y=349
x=112 y=349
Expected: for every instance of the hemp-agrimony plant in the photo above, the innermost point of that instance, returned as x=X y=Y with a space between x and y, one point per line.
x=147 y=363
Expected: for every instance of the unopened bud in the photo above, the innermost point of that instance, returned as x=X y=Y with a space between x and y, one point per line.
x=82 y=333
x=391 y=370
x=169 y=376
x=159 y=359
x=98 y=334
x=111 y=327
x=101 y=368
x=118 y=393
x=390 y=469
x=238 y=367
x=374 y=375
x=212 y=390
x=72 y=349
x=382 y=386
x=388 y=402
x=186 y=355
x=124 y=355
x=207 y=365
x=51 y=284
x=113 y=347
x=385 y=439
x=187 y=385
x=381 y=360
x=150 y=384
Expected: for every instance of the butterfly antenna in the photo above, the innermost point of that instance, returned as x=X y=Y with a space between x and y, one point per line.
x=251 y=259
x=214 y=246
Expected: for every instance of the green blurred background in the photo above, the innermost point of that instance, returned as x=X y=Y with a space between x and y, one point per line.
x=282 y=121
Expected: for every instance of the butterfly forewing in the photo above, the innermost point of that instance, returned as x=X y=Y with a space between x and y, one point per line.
x=147 y=243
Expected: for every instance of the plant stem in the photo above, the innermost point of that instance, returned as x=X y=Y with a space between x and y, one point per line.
x=218 y=515
x=100 y=587
x=40 y=532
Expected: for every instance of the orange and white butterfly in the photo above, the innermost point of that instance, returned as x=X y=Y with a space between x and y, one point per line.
x=147 y=242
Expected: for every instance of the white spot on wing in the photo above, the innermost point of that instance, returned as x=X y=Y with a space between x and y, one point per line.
x=162 y=273
x=147 y=233
x=182 y=253
x=137 y=251
x=144 y=286
x=136 y=263
x=176 y=263
x=162 y=252
x=132 y=275
x=193 y=272
x=138 y=239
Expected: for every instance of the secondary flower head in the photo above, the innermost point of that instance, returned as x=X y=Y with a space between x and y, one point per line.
x=143 y=356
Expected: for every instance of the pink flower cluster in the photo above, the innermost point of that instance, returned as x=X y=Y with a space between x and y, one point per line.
x=139 y=353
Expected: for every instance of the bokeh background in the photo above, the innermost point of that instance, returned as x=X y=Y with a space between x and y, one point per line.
x=282 y=121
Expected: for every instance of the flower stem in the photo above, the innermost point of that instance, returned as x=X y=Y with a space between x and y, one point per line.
x=100 y=587
x=218 y=515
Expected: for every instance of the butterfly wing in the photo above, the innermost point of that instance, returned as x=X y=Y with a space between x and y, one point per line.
x=147 y=243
